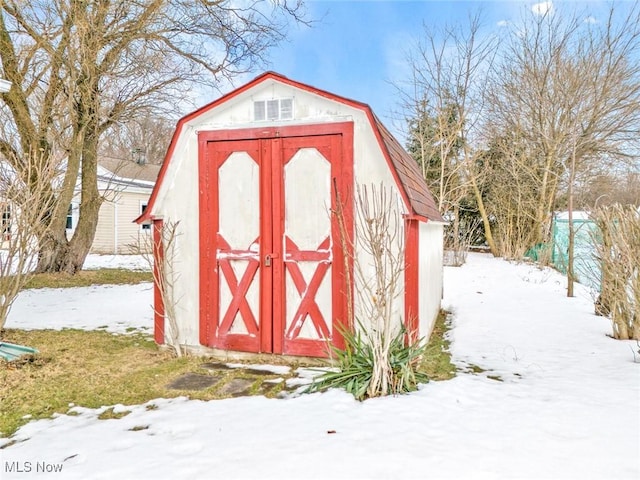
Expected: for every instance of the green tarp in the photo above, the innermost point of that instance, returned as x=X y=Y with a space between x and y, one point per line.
x=11 y=351
x=586 y=268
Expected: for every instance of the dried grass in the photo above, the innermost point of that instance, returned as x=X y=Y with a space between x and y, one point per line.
x=90 y=369
x=85 y=278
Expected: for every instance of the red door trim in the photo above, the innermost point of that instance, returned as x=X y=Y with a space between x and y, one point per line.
x=238 y=289
x=343 y=280
x=314 y=130
x=208 y=225
x=274 y=229
x=213 y=330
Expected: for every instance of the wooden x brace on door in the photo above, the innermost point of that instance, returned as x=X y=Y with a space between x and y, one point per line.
x=307 y=292
x=238 y=290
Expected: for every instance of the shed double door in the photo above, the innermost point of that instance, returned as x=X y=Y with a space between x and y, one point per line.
x=272 y=271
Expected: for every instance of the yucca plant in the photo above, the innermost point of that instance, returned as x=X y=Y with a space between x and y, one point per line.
x=357 y=362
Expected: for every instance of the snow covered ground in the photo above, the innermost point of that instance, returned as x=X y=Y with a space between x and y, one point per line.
x=120 y=308
x=114 y=308
x=132 y=262
x=568 y=405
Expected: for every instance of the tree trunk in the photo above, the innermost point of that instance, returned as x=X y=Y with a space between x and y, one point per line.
x=572 y=233
x=91 y=200
x=58 y=254
x=53 y=249
x=485 y=219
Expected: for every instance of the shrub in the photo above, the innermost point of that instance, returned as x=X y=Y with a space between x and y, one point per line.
x=357 y=362
x=618 y=251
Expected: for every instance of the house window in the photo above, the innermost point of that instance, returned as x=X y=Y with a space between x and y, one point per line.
x=6 y=222
x=143 y=207
x=275 y=109
x=70 y=217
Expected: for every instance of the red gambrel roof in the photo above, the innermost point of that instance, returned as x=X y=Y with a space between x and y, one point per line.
x=404 y=168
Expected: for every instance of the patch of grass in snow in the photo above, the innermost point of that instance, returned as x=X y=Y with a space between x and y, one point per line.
x=138 y=428
x=473 y=368
x=94 y=369
x=478 y=370
x=436 y=362
x=85 y=278
x=110 y=414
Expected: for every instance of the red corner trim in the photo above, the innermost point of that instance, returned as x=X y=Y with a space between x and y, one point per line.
x=411 y=277
x=158 y=302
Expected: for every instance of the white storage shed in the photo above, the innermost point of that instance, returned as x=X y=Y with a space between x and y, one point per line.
x=252 y=179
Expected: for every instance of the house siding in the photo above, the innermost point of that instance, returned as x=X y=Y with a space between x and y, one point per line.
x=116 y=232
x=103 y=241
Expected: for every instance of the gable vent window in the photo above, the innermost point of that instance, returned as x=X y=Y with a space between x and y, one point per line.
x=259 y=111
x=286 y=109
x=277 y=109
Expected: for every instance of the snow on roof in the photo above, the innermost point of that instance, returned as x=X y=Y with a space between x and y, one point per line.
x=577 y=215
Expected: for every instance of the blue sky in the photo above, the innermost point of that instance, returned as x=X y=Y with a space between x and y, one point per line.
x=357 y=48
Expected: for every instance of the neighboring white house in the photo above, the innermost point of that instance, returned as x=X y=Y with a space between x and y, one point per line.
x=253 y=179
x=5 y=85
x=125 y=186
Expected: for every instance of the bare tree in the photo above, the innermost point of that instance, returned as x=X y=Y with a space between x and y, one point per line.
x=378 y=280
x=445 y=107
x=141 y=140
x=608 y=188
x=78 y=68
x=572 y=90
x=380 y=356
x=617 y=244
x=25 y=201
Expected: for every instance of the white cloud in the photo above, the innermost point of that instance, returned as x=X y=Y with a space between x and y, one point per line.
x=502 y=23
x=542 y=8
x=590 y=20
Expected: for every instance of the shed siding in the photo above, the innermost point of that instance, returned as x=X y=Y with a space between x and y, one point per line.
x=371 y=170
x=430 y=275
x=179 y=201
